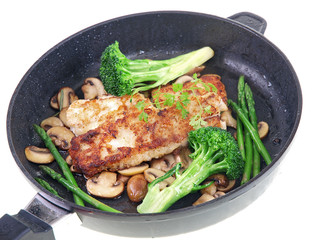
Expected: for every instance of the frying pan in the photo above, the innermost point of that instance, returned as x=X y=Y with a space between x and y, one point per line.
x=240 y=49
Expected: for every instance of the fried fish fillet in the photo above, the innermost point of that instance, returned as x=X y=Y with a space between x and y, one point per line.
x=123 y=140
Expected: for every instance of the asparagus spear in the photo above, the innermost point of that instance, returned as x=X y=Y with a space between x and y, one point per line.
x=254 y=122
x=47 y=186
x=76 y=190
x=240 y=138
x=253 y=132
x=247 y=138
x=61 y=162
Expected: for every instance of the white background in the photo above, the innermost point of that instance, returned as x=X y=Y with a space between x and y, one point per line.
x=289 y=209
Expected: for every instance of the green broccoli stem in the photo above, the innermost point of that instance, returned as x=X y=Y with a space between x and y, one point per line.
x=201 y=168
x=123 y=76
x=76 y=190
x=254 y=122
x=59 y=159
x=253 y=132
x=247 y=139
x=164 y=71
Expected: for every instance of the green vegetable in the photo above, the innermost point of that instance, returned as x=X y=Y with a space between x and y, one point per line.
x=253 y=132
x=121 y=76
x=61 y=162
x=240 y=137
x=76 y=190
x=214 y=151
x=47 y=186
x=254 y=122
x=247 y=138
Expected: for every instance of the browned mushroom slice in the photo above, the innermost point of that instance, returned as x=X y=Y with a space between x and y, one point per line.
x=196 y=70
x=152 y=173
x=212 y=189
x=134 y=170
x=93 y=88
x=68 y=97
x=204 y=198
x=54 y=102
x=105 y=185
x=165 y=163
x=50 y=122
x=218 y=194
x=69 y=160
x=123 y=178
x=63 y=116
x=38 y=155
x=61 y=137
x=137 y=188
x=220 y=180
x=183 y=79
x=231 y=184
x=228 y=119
x=182 y=156
x=74 y=169
x=263 y=129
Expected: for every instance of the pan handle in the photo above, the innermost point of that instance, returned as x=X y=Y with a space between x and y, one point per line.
x=24 y=226
x=250 y=20
x=33 y=222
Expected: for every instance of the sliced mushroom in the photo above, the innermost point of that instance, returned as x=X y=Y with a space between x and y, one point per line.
x=69 y=160
x=38 y=155
x=165 y=163
x=137 y=188
x=231 y=184
x=220 y=180
x=152 y=173
x=74 y=169
x=134 y=170
x=212 y=189
x=54 y=102
x=61 y=137
x=63 y=116
x=183 y=79
x=226 y=116
x=105 y=185
x=183 y=157
x=196 y=70
x=218 y=194
x=93 y=88
x=51 y=122
x=263 y=129
x=204 y=198
x=66 y=96
x=123 y=178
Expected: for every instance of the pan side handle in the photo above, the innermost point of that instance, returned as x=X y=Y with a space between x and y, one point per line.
x=250 y=20
x=33 y=222
x=24 y=226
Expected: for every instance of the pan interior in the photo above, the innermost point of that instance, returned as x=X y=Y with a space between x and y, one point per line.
x=238 y=51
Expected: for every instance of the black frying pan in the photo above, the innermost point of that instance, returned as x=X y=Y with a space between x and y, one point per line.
x=240 y=49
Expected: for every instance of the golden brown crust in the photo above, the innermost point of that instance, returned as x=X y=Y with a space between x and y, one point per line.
x=123 y=140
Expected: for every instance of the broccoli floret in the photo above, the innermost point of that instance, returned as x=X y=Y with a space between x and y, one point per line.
x=214 y=151
x=121 y=76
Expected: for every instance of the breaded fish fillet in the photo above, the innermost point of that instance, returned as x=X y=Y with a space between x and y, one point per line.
x=122 y=140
